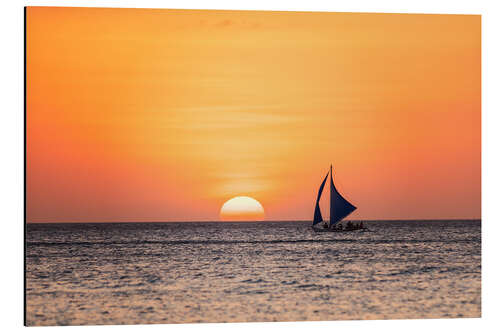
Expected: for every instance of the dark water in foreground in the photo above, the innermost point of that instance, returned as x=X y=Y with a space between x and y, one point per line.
x=237 y=272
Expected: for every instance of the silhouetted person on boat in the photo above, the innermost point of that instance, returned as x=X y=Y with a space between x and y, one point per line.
x=349 y=226
x=361 y=225
x=325 y=226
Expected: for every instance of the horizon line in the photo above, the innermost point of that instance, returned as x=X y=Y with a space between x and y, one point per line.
x=256 y=221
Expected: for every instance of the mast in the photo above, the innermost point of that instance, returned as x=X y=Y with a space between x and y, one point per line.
x=331 y=198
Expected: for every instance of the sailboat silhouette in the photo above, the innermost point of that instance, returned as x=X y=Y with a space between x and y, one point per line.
x=339 y=208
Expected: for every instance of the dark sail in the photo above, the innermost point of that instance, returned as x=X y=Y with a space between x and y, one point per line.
x=339 y=207
x=317 y=212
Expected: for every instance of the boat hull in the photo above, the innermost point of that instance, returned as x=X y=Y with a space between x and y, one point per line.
x=338 y=230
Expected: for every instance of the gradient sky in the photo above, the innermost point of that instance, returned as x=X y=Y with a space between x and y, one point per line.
x=163 y=115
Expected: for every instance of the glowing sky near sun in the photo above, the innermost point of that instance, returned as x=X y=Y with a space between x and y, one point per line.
x=164 y=115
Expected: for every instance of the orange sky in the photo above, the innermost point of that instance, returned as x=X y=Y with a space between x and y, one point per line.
x=163 y=115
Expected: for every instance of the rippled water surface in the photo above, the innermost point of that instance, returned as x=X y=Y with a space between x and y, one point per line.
x=130 y=273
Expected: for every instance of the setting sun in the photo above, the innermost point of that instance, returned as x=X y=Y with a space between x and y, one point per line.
x=242 y=209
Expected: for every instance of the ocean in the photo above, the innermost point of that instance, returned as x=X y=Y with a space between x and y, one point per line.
x=141 y=273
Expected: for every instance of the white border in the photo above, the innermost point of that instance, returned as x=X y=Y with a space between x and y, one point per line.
x=11 y=177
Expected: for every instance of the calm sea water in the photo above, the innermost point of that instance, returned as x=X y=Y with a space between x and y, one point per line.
x=133 y=273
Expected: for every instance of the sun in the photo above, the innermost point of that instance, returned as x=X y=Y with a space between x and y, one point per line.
x=242 y=208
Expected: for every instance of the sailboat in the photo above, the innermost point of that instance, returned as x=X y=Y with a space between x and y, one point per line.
x=339 y=209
